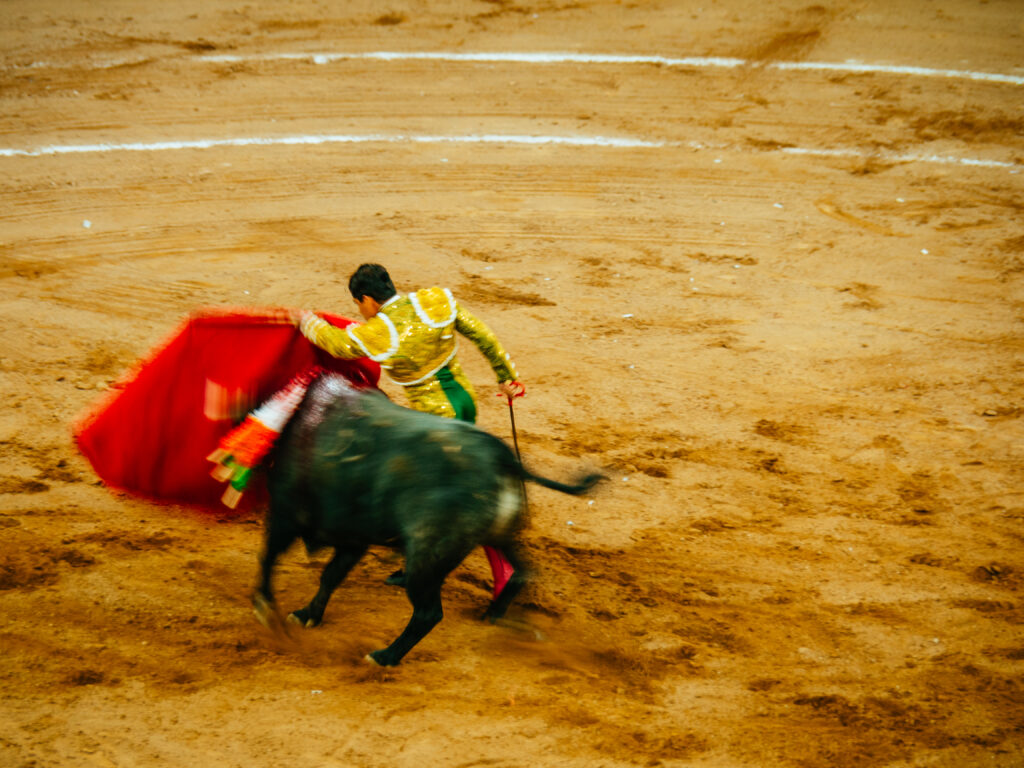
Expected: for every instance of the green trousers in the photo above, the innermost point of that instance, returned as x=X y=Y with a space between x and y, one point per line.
x=465 y=408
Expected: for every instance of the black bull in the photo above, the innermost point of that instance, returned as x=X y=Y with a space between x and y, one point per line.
x=354 y=470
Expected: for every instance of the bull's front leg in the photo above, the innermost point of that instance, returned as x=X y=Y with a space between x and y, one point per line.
x=333 y=574
x=280 y=536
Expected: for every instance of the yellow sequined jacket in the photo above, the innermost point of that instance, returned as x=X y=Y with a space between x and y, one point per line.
x=413 y=337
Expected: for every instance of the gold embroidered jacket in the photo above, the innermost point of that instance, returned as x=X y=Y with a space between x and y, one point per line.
x=413 y=337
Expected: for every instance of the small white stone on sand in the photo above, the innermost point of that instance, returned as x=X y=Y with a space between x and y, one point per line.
x=319 y=59
x=569 y=522
x=736 y=266
x=924 y=251
x=87 y=224
x=778 y=205
x=628 y=314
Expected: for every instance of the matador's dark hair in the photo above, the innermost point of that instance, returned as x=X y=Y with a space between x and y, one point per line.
x=371 y=280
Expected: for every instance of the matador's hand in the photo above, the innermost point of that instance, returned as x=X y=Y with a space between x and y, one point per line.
x=512 y=389
x=296 y=316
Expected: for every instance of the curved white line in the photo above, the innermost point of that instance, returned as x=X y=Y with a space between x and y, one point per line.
x=899 y=157
x=601 y=58
x=250 y=141
x=575 y=141
x=863 y=69
x=541 y=57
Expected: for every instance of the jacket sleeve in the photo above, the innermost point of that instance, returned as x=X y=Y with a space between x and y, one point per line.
x=373 y=339
x=477 y=331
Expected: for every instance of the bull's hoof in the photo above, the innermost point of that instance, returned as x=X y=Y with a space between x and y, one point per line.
x=303 y=618
x=491 y=615
x=522 y=627
x=267 y=614
x=381 y=658
x=396 y=579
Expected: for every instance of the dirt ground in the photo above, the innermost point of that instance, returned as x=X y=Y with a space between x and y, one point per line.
x=786 y=319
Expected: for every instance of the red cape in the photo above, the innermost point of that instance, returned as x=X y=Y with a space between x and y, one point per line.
x=151 y=434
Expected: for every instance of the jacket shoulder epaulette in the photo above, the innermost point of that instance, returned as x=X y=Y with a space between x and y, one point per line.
x=434 y=306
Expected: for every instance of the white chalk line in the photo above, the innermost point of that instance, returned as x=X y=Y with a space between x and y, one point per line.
x=898 y=157
x=852 y=67
x=269 y=141
x=507 y=139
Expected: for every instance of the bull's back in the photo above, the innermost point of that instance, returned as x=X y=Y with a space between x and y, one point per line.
x=371 y=470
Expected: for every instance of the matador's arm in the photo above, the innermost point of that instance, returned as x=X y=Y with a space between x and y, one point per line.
x=374 y=339
x=477 y=331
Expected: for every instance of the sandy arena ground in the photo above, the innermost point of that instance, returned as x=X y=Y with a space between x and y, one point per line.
x=783 y=309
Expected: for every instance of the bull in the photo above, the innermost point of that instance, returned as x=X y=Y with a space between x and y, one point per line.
x=354 y=470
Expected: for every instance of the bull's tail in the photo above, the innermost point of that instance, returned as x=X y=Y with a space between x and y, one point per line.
x=513 y=464
x=584 y=485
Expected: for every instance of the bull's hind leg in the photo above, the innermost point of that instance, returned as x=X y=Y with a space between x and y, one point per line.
x=515 y=584
x=424 y=575
x=426 y=613
x=333 y=574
